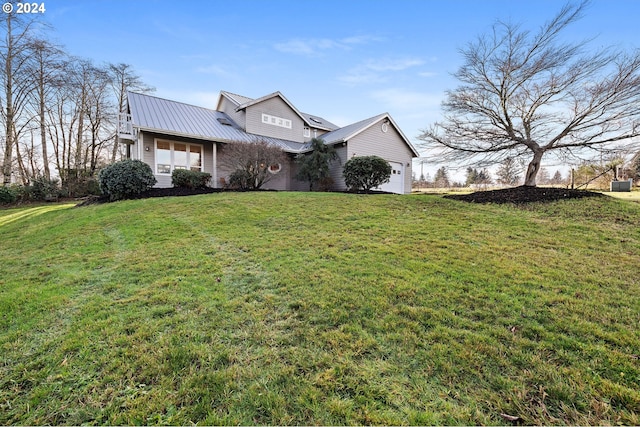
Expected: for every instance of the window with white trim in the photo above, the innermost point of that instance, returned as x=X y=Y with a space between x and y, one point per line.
x=177 y=155
x=307 y=132
x=276 y=121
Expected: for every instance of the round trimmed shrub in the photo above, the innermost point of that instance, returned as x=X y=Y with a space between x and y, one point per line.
x=185 y=178
x=126 y=179
x=366 y=172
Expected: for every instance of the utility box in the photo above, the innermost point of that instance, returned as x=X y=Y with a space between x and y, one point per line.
x=621 y=186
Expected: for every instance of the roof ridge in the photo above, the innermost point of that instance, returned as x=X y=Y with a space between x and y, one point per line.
x=235 y=94
x=171 y=100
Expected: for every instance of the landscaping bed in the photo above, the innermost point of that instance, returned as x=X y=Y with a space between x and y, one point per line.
x=523 y=194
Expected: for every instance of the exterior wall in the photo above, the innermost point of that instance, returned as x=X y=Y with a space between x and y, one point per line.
x=337 y=166
x=390 y=146
x=335 y=169
x=229 y=108
x=148 y=151
x=276 y=107
x=314 y=133
x=280 y=181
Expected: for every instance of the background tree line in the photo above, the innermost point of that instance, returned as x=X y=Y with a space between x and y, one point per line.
x=59 y=115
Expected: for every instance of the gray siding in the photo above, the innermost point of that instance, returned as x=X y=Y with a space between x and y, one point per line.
x=280 y=181
x=337 y=166
x=390 y=146
x=230 y=109
x=275 y=107
x=164 y=181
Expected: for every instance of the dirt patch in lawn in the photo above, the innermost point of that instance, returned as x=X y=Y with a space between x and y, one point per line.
x=523 y=194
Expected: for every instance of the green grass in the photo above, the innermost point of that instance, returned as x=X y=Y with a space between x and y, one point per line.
x=310 y=308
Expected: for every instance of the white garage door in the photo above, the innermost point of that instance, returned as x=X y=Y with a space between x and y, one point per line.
x=396 y=181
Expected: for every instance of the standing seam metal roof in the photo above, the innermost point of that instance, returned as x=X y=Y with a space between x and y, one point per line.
x=164 y=116
x=161 y=115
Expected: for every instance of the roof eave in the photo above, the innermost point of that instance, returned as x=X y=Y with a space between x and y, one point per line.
x=205 y=138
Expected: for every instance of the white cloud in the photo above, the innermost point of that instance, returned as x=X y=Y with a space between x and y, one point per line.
x=316 y=46
x=378 y=71
x=392 y=64
x=213 y=69
x=403 y=100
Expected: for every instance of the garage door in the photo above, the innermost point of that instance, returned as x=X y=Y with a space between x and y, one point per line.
x=396 y=181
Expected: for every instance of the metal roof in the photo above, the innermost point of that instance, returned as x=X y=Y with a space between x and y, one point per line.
x=242 y=102
x=350 y=131
x=151 y=113
x=161 y=115
x=235 y=98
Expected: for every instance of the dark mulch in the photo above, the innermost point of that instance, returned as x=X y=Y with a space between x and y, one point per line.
x=155 y=192
x=178 y=191
x=523 y=194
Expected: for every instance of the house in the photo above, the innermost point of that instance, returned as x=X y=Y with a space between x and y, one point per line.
x=168 y=135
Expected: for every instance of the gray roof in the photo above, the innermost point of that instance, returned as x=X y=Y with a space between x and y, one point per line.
x=319 y=122
x=312 y=120
x=347 y=132
x=155 y=114
x=237 y=99
x=150 y=113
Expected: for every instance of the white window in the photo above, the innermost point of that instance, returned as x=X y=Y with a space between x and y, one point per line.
x=177 y=155
x=307 y=132
x=276 y=121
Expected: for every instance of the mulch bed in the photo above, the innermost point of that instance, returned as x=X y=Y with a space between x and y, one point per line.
x=523 y=194
x=155 y=192
x=515 y=195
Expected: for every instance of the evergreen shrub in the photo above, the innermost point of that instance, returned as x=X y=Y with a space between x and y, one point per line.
x=126 y=179
x=190 y=179
x=366 y=172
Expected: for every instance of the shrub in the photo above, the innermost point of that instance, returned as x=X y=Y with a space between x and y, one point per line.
x=254 y=160
x=125 y=179
x=41 y=189
x=366 y=172
x=7 y=195
x=315 y=166
x=240 y=180
x=80 y=186
x=190 y=179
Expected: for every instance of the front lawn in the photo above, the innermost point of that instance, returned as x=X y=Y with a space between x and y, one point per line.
x=313 y=308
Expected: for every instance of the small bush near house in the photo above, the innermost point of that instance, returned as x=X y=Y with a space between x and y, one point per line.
x=366 y=172
x=240 y=180
x=126 y=179
x=7 y=195
x=190 y=179
x=252 y=162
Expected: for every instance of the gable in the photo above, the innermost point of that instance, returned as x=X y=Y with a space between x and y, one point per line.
x=276 y=118
x=375 y=141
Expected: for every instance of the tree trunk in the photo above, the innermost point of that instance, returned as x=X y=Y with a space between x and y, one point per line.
x=533 y=168
x=43 y=127
x=9 y=142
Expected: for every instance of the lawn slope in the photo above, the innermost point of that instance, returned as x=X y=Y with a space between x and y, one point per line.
x=310 y=308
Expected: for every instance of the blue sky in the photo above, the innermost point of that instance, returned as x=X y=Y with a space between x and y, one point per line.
x=343 y=60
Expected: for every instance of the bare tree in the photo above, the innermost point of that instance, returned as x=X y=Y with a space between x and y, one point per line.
x=123 y=79
x=14 y=53
x=526 y=93
x=509 y=172
x=252 y=164
x=99 y=110
x=45 y=68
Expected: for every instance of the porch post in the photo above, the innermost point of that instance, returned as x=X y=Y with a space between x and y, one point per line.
x=215 y=165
